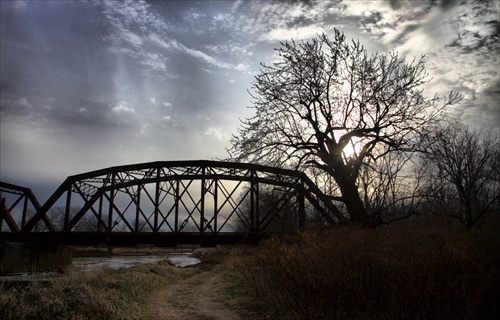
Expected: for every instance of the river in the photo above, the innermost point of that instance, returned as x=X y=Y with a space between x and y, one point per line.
x=89 y=264
x=127 y=261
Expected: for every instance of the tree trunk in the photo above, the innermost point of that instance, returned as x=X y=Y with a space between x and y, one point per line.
x=348 y=188
x=352 y=200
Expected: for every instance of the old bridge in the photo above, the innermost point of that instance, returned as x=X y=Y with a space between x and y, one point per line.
x=164 y=204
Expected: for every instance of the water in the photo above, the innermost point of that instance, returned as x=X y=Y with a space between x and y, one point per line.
x=118 y=262
x=89 y=264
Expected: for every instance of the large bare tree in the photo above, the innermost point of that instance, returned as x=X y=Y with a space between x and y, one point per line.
x=327 y=103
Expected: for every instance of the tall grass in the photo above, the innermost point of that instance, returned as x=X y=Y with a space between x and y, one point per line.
x=391 y=273
x=106 y=294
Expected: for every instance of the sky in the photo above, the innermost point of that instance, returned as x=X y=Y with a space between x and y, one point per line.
x=86 y=85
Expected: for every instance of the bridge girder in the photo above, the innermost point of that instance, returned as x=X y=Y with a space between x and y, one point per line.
x=165 y=196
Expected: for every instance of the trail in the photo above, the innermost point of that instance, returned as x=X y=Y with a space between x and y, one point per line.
x=193 y=298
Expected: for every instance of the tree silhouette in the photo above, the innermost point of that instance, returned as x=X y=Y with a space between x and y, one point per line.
x=328 y=104
x=462 y=166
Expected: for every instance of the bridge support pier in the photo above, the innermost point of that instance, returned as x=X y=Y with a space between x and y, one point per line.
x=16 y=257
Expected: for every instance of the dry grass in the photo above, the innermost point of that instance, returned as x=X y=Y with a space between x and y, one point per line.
x=407 y=272
x=106 y=294
x=391 y=273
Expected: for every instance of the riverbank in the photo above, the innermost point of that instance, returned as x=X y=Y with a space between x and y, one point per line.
x=102 y=294
x=156 y=290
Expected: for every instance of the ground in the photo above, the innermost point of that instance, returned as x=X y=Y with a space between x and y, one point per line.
x=194 y=298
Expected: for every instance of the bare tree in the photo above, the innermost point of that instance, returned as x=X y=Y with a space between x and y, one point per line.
x=463 y=171
x=40 y=226
x=391 y=187
x=326 y=98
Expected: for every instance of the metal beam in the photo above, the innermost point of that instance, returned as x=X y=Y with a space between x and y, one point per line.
x=173 y=184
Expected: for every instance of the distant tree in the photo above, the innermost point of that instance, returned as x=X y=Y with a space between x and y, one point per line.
x=463 y=175
x=57 y=215
x=325 y=98
x=277 y=211
x=40 y=226
x=142 y=225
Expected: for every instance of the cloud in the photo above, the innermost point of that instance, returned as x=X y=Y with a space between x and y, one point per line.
x=136 y=26
x=279 y=20
x=217 y=133
x=201 y=56
x=295 y=33
x=123 y=107
x=20 y=5
x=154 y=61
x=23 y=102
x=163 y=75
x=242 y=67
x=223 y=21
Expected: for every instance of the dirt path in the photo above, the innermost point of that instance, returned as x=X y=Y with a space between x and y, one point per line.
x=193 y=298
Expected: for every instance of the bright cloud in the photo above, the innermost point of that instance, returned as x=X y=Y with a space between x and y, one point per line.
x=295 y=33
x=201 y=56
x=217 y=133
x=123 y=107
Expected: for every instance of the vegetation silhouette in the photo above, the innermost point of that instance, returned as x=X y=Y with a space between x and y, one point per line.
x=327 y=107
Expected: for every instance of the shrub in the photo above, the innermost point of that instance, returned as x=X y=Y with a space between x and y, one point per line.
x=391 y=273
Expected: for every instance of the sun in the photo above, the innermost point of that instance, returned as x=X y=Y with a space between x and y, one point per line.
x=352 y=149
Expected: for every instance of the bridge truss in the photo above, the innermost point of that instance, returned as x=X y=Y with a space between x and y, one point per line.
x=165 y=203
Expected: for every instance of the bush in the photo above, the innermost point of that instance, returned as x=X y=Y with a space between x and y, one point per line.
x=391 y=273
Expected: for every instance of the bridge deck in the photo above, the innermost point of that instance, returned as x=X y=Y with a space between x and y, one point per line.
x=158 y=239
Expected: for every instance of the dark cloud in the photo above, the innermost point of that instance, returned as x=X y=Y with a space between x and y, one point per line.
x=445 y=4
x=395 y=4
x=489 y=103
x=477 y=27
x=53 y=51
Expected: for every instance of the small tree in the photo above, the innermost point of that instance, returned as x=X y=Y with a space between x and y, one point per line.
x=324 y=99
x=462 y=164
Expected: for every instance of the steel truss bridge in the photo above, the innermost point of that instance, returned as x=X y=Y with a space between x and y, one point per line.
x=164 y=204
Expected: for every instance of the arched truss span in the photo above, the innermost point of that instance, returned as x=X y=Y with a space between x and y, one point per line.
x=176 y=196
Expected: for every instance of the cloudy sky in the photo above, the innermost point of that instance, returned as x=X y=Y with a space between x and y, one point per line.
x=92 y=84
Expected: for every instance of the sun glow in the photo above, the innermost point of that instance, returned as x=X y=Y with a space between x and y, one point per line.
x=352 y=149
